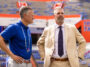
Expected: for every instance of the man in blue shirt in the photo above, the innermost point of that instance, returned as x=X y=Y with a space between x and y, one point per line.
x=19 y=37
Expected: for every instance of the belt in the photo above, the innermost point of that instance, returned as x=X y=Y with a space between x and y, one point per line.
x=26 y=61
x=57 y=59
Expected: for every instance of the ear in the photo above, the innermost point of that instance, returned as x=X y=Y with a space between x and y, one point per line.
x=24 y=15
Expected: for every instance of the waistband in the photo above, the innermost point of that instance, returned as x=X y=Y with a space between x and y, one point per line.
x=59 y=59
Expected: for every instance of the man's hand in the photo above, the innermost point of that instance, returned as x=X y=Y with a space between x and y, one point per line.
x=17 y=59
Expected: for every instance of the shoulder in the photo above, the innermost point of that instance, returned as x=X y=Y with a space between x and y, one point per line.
x=13 y=26
x=50 y=27
x=70 y=25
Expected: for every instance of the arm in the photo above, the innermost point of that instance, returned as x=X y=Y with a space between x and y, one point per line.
x=33 y=61
x=4 y=48
x=81 y=44
x=41 y=43
x=7 y=34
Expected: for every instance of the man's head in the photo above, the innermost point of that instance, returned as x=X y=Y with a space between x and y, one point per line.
x=26 y=14
x=59 y=15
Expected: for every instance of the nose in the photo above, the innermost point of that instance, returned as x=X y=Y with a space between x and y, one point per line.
x=60 y=14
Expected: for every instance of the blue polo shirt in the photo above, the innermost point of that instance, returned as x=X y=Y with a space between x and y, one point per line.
x=19 y=38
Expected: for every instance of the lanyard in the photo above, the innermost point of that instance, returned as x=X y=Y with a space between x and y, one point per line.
x=26 y=46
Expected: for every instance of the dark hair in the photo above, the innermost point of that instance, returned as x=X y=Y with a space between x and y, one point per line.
x=23 y=10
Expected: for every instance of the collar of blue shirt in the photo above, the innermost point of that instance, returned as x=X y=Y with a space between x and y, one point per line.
x=20 y=22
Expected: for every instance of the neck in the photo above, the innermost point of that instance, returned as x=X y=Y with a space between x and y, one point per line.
x=24 y=22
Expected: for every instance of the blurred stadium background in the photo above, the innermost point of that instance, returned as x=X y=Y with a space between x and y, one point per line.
x=9 y=10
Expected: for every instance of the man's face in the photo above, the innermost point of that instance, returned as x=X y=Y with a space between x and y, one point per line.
x=59 y=15
x=28 y=17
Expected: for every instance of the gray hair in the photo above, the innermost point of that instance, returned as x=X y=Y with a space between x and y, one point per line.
x=23 y=10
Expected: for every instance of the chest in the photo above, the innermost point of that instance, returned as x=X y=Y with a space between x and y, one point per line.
x=23 y=34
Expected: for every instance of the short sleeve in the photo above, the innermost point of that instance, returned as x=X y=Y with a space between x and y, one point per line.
x=9 y=32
